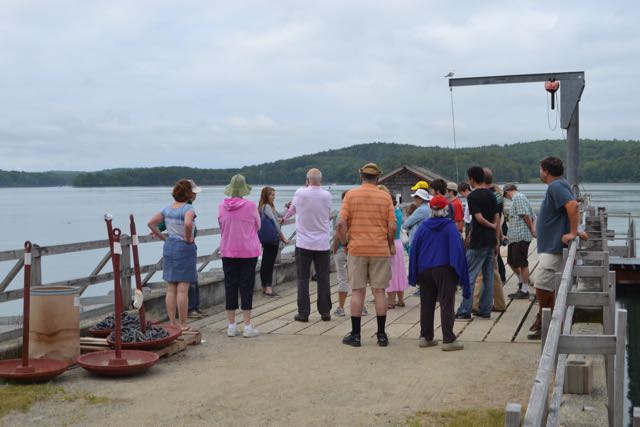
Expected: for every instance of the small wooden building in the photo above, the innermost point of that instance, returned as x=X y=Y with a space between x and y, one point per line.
x=401 y=179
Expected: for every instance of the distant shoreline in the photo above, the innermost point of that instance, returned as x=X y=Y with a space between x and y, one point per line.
x=600 y=161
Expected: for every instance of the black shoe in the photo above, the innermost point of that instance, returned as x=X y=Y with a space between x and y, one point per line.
x=351 y=339
x=463 y=316
x=383 y=341
x=484 y=316
x=519 y=295
x=300 y=318
x=272 y=294
x=326 y=317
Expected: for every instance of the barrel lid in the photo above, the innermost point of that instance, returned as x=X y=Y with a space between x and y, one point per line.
x=54 y=290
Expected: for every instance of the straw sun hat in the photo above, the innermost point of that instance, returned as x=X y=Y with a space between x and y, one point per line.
x=237 y=187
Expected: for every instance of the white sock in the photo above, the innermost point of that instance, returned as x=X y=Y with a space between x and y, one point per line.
x=232 y=326
x=525 y=287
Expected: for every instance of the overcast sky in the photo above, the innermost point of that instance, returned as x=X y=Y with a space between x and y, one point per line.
x=90 y=85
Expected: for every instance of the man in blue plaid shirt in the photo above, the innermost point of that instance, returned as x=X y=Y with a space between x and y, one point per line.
x=522 y=230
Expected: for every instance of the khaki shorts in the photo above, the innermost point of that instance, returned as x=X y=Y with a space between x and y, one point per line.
x=545 y=275
x=375 y=270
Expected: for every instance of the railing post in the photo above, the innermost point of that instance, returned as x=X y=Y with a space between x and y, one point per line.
x=621 y=344
x=609 y=326
x=125 y=271
x=546 y=320
x=36 y=266
x=512 y=415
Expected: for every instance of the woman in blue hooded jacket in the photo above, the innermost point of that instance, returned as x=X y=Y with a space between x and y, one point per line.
x=437 y=264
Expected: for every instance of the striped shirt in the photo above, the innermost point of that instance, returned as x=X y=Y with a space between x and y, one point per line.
x=368 y=212
x=518 y=229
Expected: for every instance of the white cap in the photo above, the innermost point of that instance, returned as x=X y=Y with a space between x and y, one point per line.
x=423 y=194
x=194 y=187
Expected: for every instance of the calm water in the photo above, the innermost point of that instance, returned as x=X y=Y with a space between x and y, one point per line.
x=51 y=216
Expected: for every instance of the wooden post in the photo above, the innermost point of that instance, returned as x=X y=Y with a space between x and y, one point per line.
x=609 y=328
x=36 y=266
x=125 y=272
x=621 y=344
x=512 y=415
x=546 y=319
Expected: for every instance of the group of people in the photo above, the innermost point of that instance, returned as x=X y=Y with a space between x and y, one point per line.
x=448 y=245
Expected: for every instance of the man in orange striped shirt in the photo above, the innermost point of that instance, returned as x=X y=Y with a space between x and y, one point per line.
x=366 y=228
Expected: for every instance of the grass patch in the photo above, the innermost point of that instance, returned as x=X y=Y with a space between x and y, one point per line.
x=458 y=418
x=20 y=397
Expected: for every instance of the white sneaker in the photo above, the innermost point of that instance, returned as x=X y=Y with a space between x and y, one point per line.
x=250 y=332
x=232 y=331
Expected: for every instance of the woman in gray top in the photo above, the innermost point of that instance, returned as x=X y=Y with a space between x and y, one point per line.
x=267 y=209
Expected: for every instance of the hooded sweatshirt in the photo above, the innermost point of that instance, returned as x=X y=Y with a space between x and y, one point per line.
x=239 y=224
x=437 y=243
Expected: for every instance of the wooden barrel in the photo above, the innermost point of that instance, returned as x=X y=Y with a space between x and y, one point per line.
x=54 y=328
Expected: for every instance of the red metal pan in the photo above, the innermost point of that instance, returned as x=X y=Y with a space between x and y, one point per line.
x=26 y=369
x=117 y=362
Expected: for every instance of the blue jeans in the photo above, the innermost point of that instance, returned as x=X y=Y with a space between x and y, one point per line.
x=194 y=296
x=479 y=259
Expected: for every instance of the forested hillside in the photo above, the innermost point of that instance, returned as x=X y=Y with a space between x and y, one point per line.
x=600 y=161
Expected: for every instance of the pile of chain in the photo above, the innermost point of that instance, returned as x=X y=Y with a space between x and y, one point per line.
x=133 y=334
x=128 y=321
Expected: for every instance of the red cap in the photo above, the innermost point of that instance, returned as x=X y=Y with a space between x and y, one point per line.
x=438 y=202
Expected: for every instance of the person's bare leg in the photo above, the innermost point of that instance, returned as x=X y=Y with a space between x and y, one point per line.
x=342 y=298
x=170 y=302
x=357 y=301
x=381 y=301
x=524 y=274
x=246 y=317
x=391 y=298
x=182 y=301
x=231 y=317
x=400 y=297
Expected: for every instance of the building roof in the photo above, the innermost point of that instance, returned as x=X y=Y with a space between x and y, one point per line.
x=420 y=173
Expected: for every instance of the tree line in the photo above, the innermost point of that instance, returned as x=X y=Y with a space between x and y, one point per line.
x=600 y=161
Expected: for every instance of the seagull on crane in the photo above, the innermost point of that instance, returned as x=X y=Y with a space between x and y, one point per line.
x=450 y=74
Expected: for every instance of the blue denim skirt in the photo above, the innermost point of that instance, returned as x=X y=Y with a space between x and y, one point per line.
x=179 y=261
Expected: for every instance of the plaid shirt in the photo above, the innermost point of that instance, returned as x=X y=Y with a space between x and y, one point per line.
x=518 y=230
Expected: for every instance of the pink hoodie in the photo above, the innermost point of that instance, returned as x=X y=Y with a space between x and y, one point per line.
x=239 y=224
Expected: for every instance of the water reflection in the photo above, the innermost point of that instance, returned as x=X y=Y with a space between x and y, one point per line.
x=628 y=297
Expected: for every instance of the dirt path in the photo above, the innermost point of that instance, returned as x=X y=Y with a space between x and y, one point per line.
x=296 y=380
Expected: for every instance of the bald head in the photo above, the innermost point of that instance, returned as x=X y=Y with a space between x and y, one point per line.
x=314 y=176
x=488 y=176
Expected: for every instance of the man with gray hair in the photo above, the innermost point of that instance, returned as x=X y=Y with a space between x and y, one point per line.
x=312 y=207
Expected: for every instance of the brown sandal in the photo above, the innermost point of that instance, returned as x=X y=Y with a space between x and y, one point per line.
x=400 y=304
x=391 y=306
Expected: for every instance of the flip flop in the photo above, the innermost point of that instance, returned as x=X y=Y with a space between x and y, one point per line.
x=400 y=304
x=185 y=328
x=391 y=306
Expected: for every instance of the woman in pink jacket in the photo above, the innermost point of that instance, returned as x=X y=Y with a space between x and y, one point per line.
x=239 y=249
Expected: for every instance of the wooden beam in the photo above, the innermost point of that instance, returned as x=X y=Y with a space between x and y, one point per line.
x=587 y=344
x=537 y=405
x=587 y=299
x=621 y=344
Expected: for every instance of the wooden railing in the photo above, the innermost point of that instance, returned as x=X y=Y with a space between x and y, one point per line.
x=558 y=341
x=95 y=277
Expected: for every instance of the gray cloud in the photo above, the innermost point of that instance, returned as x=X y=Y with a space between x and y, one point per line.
x=93 y=85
